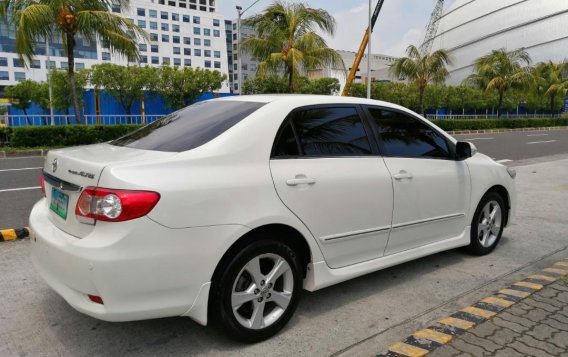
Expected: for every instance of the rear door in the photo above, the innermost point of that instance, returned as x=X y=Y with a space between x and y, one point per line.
x=431 y=189
x=327 y=172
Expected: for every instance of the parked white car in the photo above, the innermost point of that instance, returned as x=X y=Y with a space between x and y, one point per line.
x=225 y=210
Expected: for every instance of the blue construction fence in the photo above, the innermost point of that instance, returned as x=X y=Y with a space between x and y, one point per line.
x=111 y=111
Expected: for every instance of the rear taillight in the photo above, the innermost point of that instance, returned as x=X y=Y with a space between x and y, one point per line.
x=42 y=183
x=111 y=205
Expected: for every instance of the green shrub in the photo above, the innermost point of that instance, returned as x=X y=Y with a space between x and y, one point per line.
x=53 y=136
x=488 y=124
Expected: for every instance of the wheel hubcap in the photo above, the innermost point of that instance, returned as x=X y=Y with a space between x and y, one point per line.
x=262 y=291
x=489 y=224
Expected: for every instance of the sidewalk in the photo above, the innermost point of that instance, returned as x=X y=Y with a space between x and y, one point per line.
x=528 y=318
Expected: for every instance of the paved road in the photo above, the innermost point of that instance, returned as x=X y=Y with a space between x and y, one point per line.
x=359 y=317
x=519 y=145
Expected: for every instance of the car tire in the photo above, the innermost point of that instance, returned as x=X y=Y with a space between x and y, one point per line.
x=487 y=224
x=255 y=293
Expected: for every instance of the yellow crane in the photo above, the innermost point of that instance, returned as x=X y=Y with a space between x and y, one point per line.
x=361 y=52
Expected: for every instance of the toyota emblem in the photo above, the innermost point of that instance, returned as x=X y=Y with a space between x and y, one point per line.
x=54 y=165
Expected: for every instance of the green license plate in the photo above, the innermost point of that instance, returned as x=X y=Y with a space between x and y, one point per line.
x=59 y=203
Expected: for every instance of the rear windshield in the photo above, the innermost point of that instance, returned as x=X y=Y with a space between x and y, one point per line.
x=190 y=127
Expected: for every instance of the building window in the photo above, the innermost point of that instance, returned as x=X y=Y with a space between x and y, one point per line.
x=3 y=61
x=187 y=51
x=17 y=62
x=64 y=65
x=185 y=18
x=105 y=56
x=175 y=28
x=153 y=14
x=155 y=60
x=187 y=62
x=116 y=9
x=206 y=32
x=197 y=41
x=207 y=64
x=35 y=64
x=4 y=76
x=216 y=22
x=175 y=39
x=207 y=53
x=141 y=12
x=216 y=33
x=79 y=65
x=187 y=40
x=197 y=31
x=166 y=60
x=164 y=15
x=196 y=20
x=177 y=51
x=154 y=48
x=153 y=25
x=165 y=27
x=165 y=38
x=177 y=62
x=142 y=24
x=217 y=54
x=217 y=64
x=153 y=37
x=50 y=64
x=175 y=17
x=143 y=59
x=142 y=47
x=207 y=43
x=197 y=52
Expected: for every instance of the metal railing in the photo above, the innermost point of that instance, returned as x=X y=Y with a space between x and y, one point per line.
x=488 y=116
x=103 y=119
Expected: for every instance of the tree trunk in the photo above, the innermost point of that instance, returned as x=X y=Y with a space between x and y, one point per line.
x=552 y=98
x=128 y=111
x=27 y=118
x=71 y=75
x=421 y=100
x=290 y=81
x=500 y=105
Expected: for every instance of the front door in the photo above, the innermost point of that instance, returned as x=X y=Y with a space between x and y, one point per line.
x=326 y=173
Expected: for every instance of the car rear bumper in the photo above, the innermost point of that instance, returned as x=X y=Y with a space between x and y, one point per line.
x=140 y=269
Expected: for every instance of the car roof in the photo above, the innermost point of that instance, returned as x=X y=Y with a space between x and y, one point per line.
x=306 y=99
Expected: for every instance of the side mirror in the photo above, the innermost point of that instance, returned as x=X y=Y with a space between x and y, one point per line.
x=465 y=150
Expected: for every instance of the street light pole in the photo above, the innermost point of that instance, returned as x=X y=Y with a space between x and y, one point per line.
x=240 y=13
x=369 y=53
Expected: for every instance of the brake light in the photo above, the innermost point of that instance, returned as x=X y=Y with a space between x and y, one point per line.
x=111 y=205
x=42 y=183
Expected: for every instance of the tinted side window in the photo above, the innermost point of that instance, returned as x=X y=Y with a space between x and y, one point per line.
x=190 y=127
x=286 y=144
x=404 y=136
x=331 y=132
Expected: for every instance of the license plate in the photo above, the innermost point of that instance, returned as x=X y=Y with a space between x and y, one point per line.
x=59 y=203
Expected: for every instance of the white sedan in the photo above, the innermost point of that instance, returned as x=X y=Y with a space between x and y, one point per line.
x=226 y=210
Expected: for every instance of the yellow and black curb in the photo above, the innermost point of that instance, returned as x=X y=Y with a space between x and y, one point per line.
x=444 y=330
x=13 y=234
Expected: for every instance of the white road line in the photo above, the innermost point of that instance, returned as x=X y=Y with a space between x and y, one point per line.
x=21 y=157
x=541 y=142
x=20 y=189
x=479 y=139
x=26 y=168
x=504 y=161
x=537 y=135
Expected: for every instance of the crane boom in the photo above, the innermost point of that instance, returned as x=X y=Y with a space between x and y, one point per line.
x=432 y=28
x=361 y=51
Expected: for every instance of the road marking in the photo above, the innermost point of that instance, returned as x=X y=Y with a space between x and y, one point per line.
x=479 y=312
x=541 y=142
x=529 y=285
x=459 y=323
x=26 y=168
x=20 y=189
x=504 y=161
x=479 y=139
x=537 y=135
x=432 y=335
x=21 y=157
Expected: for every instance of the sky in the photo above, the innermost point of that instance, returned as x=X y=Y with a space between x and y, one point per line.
x=400 y=23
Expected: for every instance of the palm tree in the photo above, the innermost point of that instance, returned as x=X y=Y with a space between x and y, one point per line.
x=551 y=79
x=422 y=69
x=38 y=20
x=287 y=42
x=501 y=70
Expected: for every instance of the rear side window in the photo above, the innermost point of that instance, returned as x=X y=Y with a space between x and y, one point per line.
x=331 y=131
x=190 y=127
x=404 y=136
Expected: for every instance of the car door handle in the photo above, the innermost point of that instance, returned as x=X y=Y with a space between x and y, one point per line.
x=403 y=175
x=300 y=181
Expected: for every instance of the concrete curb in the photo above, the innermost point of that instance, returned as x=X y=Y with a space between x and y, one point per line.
x=13 y=234
x=458 y=132
x=22 y=153
x=444 y=330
